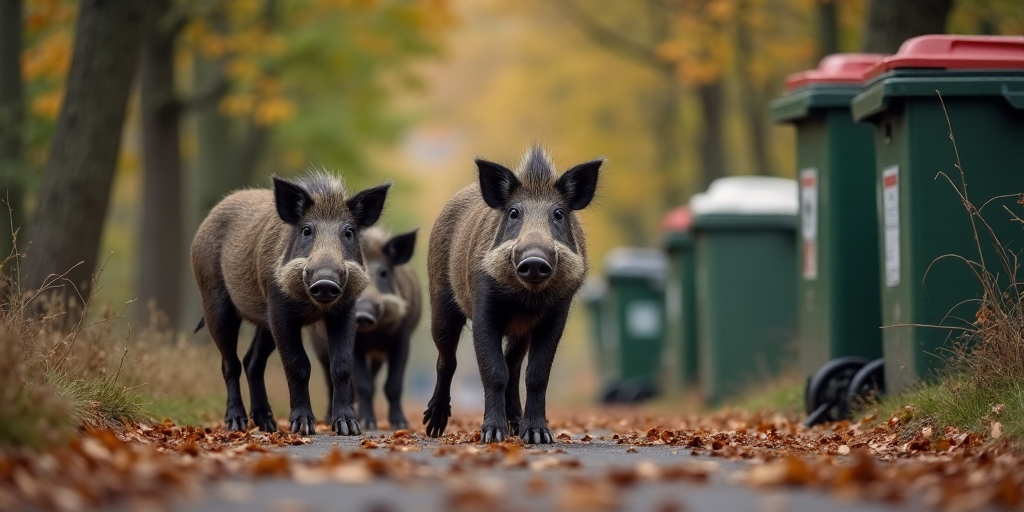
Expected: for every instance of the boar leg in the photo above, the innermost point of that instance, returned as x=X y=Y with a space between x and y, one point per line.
x=255 y=361
x=320 y=349
x=514 y=354
x=397 y=358
x=446 y=325
x=543 y=344
x=287 y=332
x=489 y=322
x=223 y=322
x=341 y=337
x=364 y=389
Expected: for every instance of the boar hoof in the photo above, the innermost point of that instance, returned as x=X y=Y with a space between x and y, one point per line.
x=368 y=423
x=491 y=434
x=436 y=417
x=348 y=427
x=265 y=421
x=398 y=422
x=237 y=422
x=303 y=423
x=536 y=435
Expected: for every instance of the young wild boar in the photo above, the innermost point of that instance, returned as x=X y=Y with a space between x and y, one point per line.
x=386 y=314
x=283 y=259
x=508 y=254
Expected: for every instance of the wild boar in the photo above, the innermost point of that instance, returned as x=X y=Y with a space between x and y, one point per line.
x=509 y=254
x=386 y=314
x=283 y=259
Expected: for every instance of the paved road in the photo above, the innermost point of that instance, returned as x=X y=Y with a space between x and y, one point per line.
x=520 y=489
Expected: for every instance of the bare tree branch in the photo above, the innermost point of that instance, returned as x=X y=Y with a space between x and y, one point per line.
x=607 y=37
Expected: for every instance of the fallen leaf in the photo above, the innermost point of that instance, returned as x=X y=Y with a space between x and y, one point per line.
x=843 y=450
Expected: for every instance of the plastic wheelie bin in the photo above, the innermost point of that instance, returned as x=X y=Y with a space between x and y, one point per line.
x=839 y=299
x=745 y=247
x=633 y=313
x=593 y=295
x=925 y=228
x=680 y=299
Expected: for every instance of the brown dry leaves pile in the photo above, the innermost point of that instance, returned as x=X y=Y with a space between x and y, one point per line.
x=144 y=464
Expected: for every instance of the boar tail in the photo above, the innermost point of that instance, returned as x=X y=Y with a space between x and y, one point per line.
x=202 y=323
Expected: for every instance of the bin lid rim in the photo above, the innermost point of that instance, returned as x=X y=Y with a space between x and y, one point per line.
x=837 y=69
x=636 y=262
x=941 y=51
x=677 y=219
x=748 y=195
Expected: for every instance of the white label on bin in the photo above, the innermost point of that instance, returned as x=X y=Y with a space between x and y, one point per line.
x=891 y=221
x=643 y=319
x=809 y=221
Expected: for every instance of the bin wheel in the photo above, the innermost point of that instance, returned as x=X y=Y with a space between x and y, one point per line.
x=868 y=385
x=637 y=389
x=610 y=391
x=825 y=399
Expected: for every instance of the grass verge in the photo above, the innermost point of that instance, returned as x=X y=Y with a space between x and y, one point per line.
x=64 y=366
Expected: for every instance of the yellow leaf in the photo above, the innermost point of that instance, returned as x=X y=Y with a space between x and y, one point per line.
x=273 y=111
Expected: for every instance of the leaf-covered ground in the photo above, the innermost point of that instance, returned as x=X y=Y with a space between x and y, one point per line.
x=158 y=466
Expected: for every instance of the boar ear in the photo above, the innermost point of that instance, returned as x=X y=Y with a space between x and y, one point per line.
x=399 y=249
x=292 y=200
x=367 y=205
x=497 y=183
x=577 y=185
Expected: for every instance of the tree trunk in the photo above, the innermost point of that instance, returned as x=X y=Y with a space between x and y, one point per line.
x=752 y=103
x=247 y=155
x=12 y=120
x=890 y=22
x=712 y=150
x=828 y=28
x=76 y=188
x=214 y=168
x=665 y=126
x=161 y=245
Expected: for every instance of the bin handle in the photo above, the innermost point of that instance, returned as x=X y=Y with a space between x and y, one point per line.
x=1014 y=97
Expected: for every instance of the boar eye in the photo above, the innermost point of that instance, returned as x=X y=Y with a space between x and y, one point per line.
x=559 y=214
x=383 y=273
x=307 y=231
x=513 y=213
x=349 y=233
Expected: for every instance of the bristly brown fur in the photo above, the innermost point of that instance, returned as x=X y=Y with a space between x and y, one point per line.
x=462 y=237
x=510 y=252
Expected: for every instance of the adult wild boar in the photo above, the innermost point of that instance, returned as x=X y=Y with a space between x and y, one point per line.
x=508 y=254
x=386 y=314
x=283 y=259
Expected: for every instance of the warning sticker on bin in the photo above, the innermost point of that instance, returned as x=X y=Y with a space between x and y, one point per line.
x=809 y=221
x=891 y=224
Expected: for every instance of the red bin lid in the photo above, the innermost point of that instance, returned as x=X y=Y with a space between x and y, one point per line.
x=677 y=219
x=955 y=52
x=838 y=68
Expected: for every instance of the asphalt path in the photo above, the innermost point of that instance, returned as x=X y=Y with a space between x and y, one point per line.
x=539 y=486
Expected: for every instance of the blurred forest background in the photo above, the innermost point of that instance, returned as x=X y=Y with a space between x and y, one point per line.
x=123 y=122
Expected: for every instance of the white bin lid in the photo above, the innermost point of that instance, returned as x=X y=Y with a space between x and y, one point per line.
x=636 y=262
x=748 y=195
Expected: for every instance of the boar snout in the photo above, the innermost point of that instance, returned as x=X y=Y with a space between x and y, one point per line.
x=367 y=312
x=326 y=287
x=534 y=265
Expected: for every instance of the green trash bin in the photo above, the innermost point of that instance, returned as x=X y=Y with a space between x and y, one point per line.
x=839 y=298
x=593 y=294
x=680 y=300
x=922 y=219
x=745 y=247
x=634 y=320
